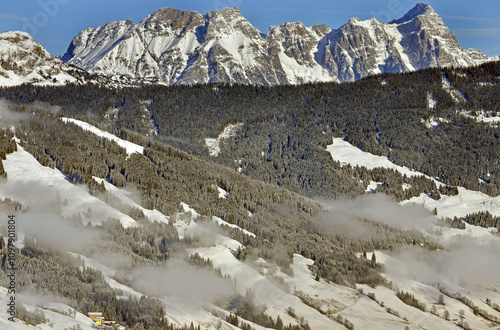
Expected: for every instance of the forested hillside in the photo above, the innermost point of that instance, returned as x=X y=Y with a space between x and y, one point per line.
x=287 y=128
x=281 y=222
x=254 y=194
x=166 y=176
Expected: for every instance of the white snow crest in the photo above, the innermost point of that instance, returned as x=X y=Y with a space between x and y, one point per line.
x=346 y=153
x=129 y=146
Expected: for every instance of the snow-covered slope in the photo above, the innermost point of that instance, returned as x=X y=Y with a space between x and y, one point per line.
x=56 y=313
x=410 y=272
x=48 y=185
x=291 y=297
x=182 y=47
x=465 y=202
x=347 y=154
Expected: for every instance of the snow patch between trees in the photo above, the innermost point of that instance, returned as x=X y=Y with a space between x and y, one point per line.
x=432 y=123
x=466 y=202
x=483 y=116
x=455 y=94
x=213 y=145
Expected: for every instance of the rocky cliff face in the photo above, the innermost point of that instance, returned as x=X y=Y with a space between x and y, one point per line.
x=181 y=47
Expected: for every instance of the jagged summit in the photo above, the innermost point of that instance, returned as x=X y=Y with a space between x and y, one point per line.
x=228 y=12
x=172 y=17
x=420 y=9
x=25 y=61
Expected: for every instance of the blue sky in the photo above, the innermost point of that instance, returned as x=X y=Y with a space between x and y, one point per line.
x=54 y=23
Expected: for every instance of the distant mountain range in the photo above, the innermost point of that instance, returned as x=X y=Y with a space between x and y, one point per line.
x=172 y=46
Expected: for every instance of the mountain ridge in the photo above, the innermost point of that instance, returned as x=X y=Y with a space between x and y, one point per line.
x=186 y=47
x=174 y=47
x=419 y=9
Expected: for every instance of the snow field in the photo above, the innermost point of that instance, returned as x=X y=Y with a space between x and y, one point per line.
x=266 y=292
x=401 y=278
x=362 y=311
x=466 y=202
x=347 y=154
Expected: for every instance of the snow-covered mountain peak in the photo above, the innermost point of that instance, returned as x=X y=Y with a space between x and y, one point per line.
x=174 y=18
x=227 y=17
x=420 y=9
x=298 y=43
x=221 y=24
x=353 y=20
x=17 y=40
x=321 y=30
x=298 y=29
x=287 y=29
x=229 y=13
x=356 y=24
x=88 y=42
x=15 y=36
x=23 y=60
